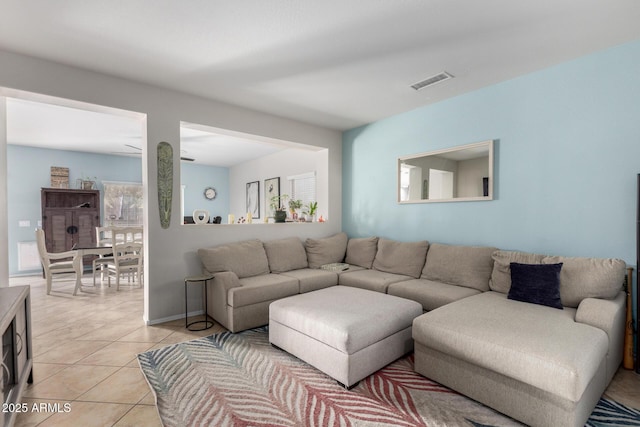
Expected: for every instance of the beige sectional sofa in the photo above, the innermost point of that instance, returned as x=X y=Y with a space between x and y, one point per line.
x=538 y=364
x=250 y=275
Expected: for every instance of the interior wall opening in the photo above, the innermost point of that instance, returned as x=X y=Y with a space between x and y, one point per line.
x=90 y=145
x=231 y=177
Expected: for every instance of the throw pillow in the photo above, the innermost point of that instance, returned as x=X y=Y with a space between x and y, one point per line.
x=501 y=275
x=536 y=284
x=326 y=251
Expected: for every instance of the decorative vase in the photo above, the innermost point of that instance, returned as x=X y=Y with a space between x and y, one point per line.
x=200 y=216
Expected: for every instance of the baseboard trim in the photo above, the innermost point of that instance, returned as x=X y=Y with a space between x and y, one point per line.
x=171 y=318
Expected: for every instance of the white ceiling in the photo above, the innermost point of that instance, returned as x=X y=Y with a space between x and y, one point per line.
x=49 y=125
x=334 y=63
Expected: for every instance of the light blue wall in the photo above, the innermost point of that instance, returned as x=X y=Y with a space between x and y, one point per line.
x=197 y=178
x=29 y=170
x=567 y=157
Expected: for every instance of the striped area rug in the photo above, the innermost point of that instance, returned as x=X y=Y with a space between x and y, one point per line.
x=241 y=380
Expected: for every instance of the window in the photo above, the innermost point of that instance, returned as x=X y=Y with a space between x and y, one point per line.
x=303 y=187
x=122 y=204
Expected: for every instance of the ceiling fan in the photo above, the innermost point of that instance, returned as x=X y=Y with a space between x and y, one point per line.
x=138 y=151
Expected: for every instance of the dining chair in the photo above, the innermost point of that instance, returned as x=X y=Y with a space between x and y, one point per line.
x=62 y=265
x=104 y=237
x=119 y=235
x=110 y=236
x=131 y=234
x=127 y=259
x=137 y=233
x=138 y=237
x=127 y=234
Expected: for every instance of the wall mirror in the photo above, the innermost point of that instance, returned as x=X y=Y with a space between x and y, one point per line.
x=458 y=174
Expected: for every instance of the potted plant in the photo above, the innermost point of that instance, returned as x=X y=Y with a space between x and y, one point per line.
x=294 y=205
x=278 y=206
x=310 y=211
x=88 y=182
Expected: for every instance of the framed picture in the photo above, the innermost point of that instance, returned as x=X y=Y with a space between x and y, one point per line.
x=59 y=177
x=271 y=189
x=253 y=199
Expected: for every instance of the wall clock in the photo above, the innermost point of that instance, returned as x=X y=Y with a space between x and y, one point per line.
x=210 y=193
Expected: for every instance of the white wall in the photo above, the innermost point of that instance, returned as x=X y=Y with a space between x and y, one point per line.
x=470 y=174
x=171 y=253
x=281 y=164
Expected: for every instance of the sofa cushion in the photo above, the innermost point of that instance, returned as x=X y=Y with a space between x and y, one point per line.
x=536 y=284
x=501 y=274
x=312 y=279
x=430 y=294
x=285 y=254
x=406 y=258
x=327 y=250
x=468 y=266
x=246 y=258
x=361 y=251
x=531 y=343
x=372 y=280
x=266 y=287
x=582 y=278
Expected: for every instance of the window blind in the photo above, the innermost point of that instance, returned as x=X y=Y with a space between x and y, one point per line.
x=303 y=187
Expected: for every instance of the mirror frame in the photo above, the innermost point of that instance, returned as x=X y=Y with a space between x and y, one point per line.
x=487 y=143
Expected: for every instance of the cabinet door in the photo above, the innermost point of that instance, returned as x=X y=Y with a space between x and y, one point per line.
x=86 y=223
x=58 y=239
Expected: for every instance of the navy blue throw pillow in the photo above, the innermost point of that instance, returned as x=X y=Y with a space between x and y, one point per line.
x=536 y=284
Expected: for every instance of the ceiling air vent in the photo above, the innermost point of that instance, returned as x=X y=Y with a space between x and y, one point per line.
x=432 y=80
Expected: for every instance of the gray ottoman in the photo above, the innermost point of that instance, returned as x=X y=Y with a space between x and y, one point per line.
x=347 y=333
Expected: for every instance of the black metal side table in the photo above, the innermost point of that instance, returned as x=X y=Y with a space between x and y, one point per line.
x=207 y=323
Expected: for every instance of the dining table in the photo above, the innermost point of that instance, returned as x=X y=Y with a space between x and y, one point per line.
x=95 y=249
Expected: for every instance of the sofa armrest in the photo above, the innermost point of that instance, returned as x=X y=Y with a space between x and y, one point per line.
x=218 y=295
x=602 y=313
x=608 y=315
x=221 y=283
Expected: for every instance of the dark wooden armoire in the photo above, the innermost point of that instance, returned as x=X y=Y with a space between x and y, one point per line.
x=70 y=217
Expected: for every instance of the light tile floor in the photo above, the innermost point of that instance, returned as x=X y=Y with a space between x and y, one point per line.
x=85 y=351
